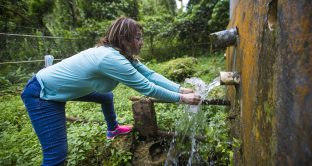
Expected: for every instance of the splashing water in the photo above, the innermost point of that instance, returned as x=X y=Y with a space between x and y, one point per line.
x=201 y=89
x=192 y=121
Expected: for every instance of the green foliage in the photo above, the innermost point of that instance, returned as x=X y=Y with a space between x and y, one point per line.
x=4 y=83
x=79 y=23
x=152 y=7
x=39 y=8
x=14 y=77
x=153 y=26
x=210 y=66
x=219 y=16
x=167 y=115
x=84 y=146
x=178 y=69
x=200 y=20
x=210 y=122
x=17 y=76
x=218 y=148
x=167 y=30
x=18 y=143
x=118 y=157
x=184 y=33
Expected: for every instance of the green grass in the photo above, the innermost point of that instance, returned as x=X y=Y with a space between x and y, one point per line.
x=87 y=142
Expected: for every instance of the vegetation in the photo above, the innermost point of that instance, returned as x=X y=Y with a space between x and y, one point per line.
x=176 y=44
x=87 y=142
x=80 y=23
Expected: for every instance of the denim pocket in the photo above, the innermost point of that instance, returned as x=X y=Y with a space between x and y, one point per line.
x=32 y=89
x=32 y=79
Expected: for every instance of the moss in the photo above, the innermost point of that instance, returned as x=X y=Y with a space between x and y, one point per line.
x=268 y=111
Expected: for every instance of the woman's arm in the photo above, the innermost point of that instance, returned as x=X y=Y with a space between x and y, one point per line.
x=156 y=78
x=120 y=69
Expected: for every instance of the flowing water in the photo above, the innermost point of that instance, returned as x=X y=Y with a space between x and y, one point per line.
x=187 y=126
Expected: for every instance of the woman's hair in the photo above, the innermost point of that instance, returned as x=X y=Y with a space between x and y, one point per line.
x=122 y=30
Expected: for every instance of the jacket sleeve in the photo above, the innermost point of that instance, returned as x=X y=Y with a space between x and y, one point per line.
x=156 y=78
x=120 y=69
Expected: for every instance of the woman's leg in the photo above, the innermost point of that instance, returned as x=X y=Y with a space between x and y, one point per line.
x=107 y=103
x=49 y=122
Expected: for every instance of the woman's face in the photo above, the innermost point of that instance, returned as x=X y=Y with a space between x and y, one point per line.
x=137 y=43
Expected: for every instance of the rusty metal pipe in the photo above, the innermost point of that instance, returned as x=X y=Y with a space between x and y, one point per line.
x=204 y=102
x=216 y=102
x=229 y=78
x=223 y=39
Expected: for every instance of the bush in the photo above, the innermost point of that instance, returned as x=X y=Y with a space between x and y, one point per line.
x=178 y=69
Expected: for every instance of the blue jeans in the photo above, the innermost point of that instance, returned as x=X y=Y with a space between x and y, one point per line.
x=49 y=121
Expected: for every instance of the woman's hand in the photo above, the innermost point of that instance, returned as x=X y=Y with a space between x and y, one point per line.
x=186 y=90
x=190 y=98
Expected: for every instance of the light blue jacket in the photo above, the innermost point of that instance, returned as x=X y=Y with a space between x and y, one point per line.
x=100 y=69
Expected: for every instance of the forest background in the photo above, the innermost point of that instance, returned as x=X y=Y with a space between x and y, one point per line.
x=176 y=44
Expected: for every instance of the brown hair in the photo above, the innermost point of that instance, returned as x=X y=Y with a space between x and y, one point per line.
x=122 y=30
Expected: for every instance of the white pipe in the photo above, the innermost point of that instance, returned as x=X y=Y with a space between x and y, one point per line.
x=229 y=78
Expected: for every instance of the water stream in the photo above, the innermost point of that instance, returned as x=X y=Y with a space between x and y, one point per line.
x=187 y=126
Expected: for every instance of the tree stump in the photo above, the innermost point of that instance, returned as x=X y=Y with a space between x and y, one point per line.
x=145 y=121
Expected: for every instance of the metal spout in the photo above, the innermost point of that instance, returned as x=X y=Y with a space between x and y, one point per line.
x=223 y=39
x=229 y=78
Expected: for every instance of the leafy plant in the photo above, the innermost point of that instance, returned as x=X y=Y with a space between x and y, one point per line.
x=178 y=69
x=17 y=76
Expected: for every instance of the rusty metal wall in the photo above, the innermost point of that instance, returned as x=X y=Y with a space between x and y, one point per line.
x=273 y=104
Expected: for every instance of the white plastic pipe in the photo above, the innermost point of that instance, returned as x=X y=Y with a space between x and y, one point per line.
x=229 y=78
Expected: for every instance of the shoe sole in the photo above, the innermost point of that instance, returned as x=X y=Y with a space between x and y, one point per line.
x=111 y=138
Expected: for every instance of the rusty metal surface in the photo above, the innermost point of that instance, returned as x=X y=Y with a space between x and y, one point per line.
x=274 y=100
x=204 y=102
x=294 y=93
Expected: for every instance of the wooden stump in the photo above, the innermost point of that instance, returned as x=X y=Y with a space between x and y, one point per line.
x=145 y=118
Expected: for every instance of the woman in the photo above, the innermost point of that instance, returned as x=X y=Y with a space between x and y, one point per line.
x=90 y=76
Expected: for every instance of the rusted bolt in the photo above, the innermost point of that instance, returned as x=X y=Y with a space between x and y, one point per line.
x=229 y=78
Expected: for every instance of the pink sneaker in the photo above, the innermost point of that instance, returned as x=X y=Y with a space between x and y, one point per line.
x=118 y=131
